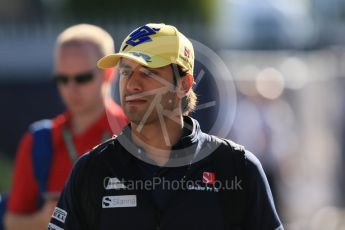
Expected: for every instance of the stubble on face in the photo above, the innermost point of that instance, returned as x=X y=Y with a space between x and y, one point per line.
x=158 y=95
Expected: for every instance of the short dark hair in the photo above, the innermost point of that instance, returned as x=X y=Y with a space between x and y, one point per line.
x=189 y=101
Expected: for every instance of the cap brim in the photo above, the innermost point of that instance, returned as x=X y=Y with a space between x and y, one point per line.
x=112 y=60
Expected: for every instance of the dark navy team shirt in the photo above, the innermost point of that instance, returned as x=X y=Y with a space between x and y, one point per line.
x=98 y=193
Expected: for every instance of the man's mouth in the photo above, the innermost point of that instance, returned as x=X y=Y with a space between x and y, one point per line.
x=134 y=99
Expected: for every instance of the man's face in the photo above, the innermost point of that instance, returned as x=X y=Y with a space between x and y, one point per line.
x=147 y=93
x=80 y=81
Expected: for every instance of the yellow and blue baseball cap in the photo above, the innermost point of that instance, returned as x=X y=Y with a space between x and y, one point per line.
x=154 y=45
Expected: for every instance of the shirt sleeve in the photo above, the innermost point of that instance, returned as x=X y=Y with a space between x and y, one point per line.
x=70 y=210
x=24 y=191
x=261 y=211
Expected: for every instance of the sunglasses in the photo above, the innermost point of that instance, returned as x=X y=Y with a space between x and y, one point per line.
x=79 y=79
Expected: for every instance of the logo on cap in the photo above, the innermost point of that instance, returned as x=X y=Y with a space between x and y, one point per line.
x=140 y=35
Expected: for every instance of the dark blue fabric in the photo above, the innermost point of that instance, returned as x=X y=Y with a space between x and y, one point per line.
x=161 y=196
x=83 y=195
x=3 y=204
x=42 y=152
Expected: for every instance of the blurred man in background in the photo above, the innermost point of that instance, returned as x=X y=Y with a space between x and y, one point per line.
x=48 y=150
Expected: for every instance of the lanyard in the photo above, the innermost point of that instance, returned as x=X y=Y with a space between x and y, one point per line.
x=72 y=152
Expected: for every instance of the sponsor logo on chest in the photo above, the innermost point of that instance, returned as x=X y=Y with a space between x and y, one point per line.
x=119 y=201
x=113 y=183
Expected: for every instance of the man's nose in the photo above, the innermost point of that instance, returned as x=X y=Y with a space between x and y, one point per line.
x=134 y=82
x=71 y=85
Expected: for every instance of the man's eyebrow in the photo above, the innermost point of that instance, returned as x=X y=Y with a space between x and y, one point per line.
x=152 y=70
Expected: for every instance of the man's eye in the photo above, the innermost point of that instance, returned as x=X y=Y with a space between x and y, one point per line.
x=148 y=73
x=125 y=73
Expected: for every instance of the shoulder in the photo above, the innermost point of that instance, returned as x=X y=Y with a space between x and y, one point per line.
x=91 y=168
x=40 y=125
x=104 y=147
x=242 y=161
x=255 y=173
x=225 y=150
x=252 y=161
x=91 y=159
x=46 y=124
x=229 y=144
x=228 y=152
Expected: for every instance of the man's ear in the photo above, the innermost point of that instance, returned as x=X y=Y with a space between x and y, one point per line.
x=185 y=85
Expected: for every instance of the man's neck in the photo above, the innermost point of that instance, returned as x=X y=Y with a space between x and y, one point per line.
x=157 y=140
x=80 y=122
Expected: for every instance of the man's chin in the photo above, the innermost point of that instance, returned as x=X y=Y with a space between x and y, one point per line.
x=133 y=116
x=138 y=118
x=81 y=110
x=77 y=110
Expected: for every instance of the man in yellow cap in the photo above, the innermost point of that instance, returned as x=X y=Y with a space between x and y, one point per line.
x=162 y=171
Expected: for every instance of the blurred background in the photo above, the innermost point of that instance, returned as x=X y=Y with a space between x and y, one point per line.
x=287 y=60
